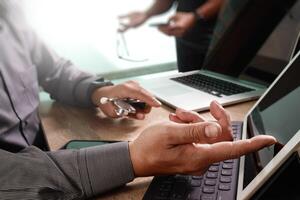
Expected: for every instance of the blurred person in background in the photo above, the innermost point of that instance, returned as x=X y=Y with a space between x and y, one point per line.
x=192 y=25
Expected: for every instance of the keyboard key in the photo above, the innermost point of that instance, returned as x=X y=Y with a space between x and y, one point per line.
x=213 y=168
x=210 y=182
x=212 y=175
x=181 y=178
x=194 y=194
x=167 y=180
x=178 y=197
x=197 y=177
x=207 y=197
x=164 y=194
x=161 y=198
x=225 y=179
x=226 y=172
x=208 y=190
x=166 y=187
x=224 y=187
x=196 y=182
x=227 y=166
x=211 y=85
x=220 y=196
x=228 y=161
x=216 y=164
x=179 y=190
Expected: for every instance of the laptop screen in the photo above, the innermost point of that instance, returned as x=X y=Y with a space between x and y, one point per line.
x=278 y=49
x=241 y=32
x=276 y=114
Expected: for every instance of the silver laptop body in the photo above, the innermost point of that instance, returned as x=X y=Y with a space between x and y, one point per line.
x=176 y=94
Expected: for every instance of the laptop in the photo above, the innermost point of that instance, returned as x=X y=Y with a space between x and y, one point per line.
x=275 y=113
x=275 y=53
x=239 y=43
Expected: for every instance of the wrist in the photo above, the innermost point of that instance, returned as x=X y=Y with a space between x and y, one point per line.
x=134 y=160
x=94 y=88
x=98 y=93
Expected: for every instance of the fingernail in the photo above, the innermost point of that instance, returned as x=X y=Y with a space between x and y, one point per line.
x=172 y=114
x=211 y=131
x=274 y=140
x=140 y=116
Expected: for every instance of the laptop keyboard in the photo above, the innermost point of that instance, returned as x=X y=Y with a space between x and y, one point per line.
x=211 y=85
x=218 y=183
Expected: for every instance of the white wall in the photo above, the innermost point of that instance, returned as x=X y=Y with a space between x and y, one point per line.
x=85 y=32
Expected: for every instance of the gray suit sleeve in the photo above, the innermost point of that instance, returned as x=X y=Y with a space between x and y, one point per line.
x=65 y=174
x=58 y=76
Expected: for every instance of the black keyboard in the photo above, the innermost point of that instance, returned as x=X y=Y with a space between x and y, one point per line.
x=211 y=85
x=218 y=183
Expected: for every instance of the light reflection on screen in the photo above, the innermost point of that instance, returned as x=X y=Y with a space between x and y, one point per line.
x=278 y=114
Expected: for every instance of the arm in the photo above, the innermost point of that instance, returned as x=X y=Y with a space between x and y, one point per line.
x=210 y=9
x=58 y=76
x=164 y=148
x=67 y=84
x=137 y=18
x=65 y=174
x=182 y=22
x=159 y=7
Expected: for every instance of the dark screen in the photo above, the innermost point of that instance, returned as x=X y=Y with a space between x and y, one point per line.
x=277 y=114
x=278 y=49
x=237 y=38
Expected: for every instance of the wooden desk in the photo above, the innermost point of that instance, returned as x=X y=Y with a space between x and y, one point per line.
x=63 y=123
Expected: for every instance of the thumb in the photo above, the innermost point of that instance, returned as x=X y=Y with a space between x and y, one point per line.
x=203 y=132
x=188 y=116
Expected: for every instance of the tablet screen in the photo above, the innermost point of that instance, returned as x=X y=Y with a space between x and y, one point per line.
x=277 y=114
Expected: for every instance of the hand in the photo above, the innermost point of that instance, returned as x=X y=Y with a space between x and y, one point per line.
x=179 y=24
x=216 y=110
x=170 y=147
x=129 y=89
x=132 y=20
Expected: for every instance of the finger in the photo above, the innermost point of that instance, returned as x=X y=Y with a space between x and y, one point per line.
x=139 y=116
x=188 y=116
x=164 y=29
x=176 y=31
x=109 y=110
x=128 y=15
x=168 y=32
x=230 y=150
x=164 y=32
x=134 y=91
x=202 y=132
x=174 y=118
x=147 y=97
x=222 y=116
